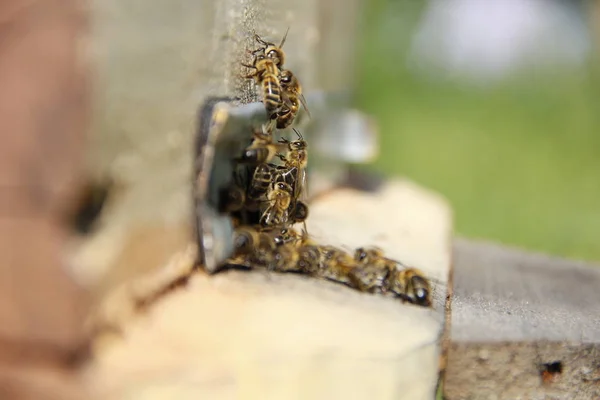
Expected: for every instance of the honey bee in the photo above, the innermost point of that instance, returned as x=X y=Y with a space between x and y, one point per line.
x=292 y=98
x=295 y=161
x=368 y=255
x=285 y=236
x=284 y=259
x=309 y=257
x=262 y=178
x=298 y=212
x=335 y=264
x=290 y=235
x=261 y=150
x=246 y=240
x=293 y=170
x=279 y=197
x=411 y=285
x=258 y=249
x=266 y=75
x=370 y=278
x=373 y=271
x=380 y=274
x=252 y=248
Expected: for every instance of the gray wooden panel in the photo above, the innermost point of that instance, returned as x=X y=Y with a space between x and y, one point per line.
x=503 y=294
x=516 y=317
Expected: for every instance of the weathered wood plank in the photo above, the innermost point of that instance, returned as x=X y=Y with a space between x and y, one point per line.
x=259 y=335
x=513 y=312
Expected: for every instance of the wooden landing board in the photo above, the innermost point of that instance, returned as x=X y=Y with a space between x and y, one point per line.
x=256 y=335
x=516 y=314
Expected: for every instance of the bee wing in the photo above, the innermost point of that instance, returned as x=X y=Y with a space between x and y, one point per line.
x=303 y=102
x=301 y=185
x=286 y=99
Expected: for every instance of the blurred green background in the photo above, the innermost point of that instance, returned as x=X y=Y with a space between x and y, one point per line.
x=519 y=161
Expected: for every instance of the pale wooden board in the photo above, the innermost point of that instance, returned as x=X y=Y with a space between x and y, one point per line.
x=275 y=336
x=514 y=310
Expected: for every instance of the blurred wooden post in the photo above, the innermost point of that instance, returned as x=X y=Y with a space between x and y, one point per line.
x=43 y=114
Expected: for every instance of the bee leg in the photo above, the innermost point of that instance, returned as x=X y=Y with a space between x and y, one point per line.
x=281 y=157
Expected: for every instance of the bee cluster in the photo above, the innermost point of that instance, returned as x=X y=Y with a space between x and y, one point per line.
x=265 y=200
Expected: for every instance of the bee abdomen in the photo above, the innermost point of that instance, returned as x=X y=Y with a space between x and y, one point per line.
x=257 y=155
x=271 y=95
x=283 y=121
x=285 y=118
x=261 y=179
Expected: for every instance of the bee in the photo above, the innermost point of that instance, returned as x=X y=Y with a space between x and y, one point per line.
x=370 y=278
x=266 y=74
x=309 y=257
x=262 y=178
x=285 y=236
x=309 y=254
x=335 y=264
x=279 y=197
x=290 y=235
x=261 y=150
x=368 y=255
x=257 y=249
x=270 y=50
x=292 y=99
x=298 y=212
x=246 y=240
x=292 y=172
x=411 y=285
x=252 y=247
x=295 y=161
x=373 y=271
x=381 y=274
x=285 y=259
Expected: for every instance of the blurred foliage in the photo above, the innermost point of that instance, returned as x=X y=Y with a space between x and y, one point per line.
x=519 y=161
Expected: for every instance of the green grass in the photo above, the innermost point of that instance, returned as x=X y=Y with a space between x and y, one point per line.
x=520 y=162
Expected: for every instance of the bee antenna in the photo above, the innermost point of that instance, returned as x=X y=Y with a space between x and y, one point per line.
x=298 y=133
x=259 y=39
x=284 y=37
